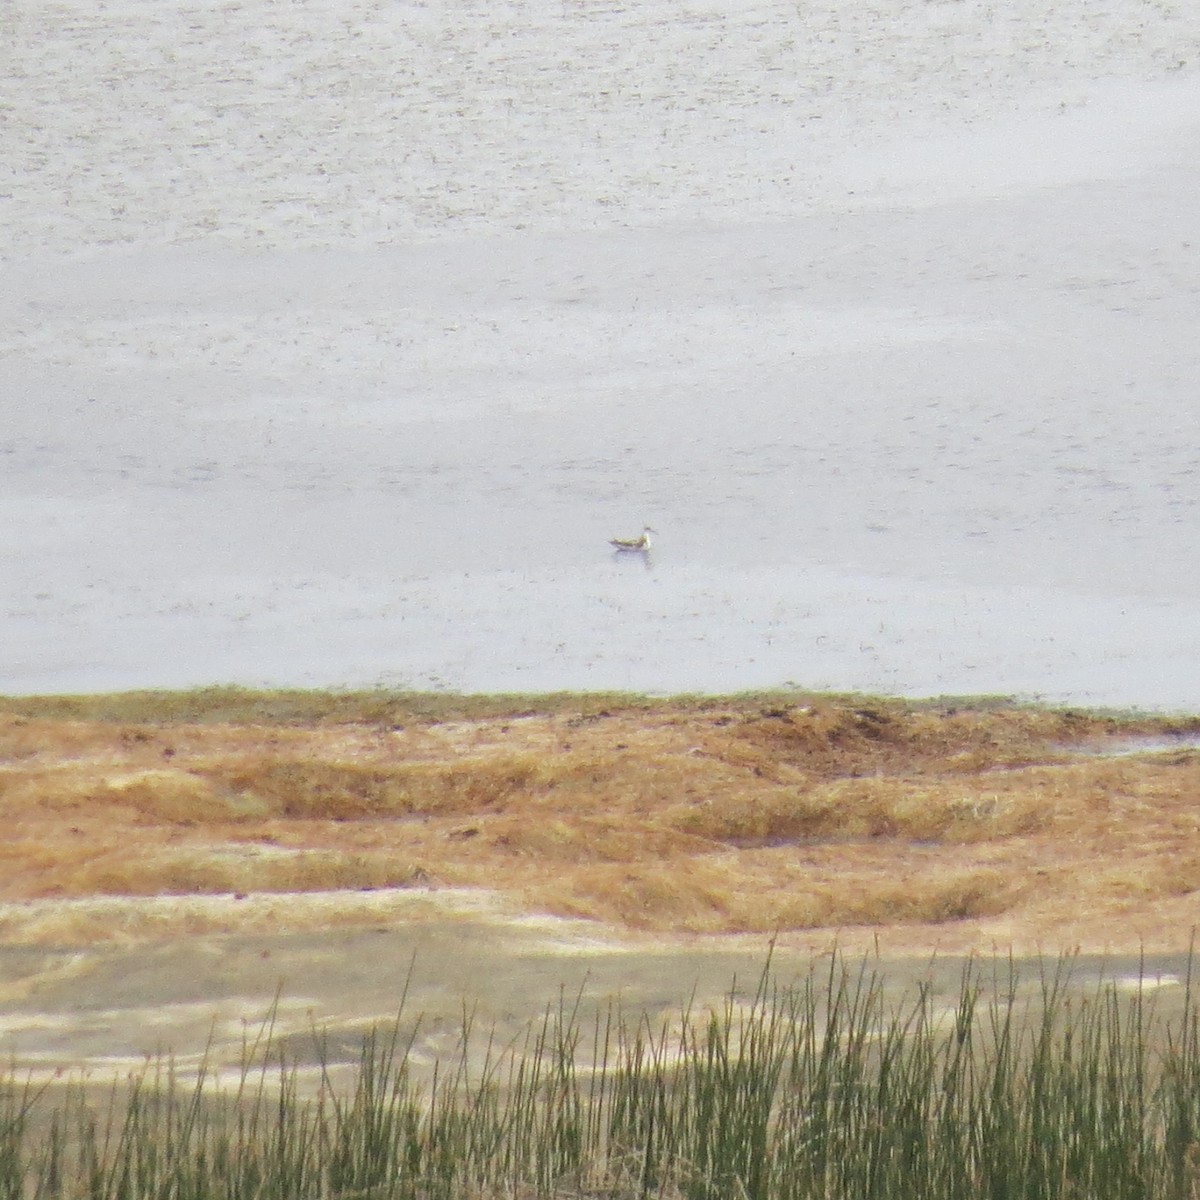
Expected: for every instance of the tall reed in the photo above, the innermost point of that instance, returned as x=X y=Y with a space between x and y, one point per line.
x=826 y=1088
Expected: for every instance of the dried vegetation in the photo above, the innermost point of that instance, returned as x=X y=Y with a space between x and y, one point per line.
x=687 y=815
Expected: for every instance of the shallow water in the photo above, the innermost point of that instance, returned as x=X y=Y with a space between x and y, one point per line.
x=901 y=368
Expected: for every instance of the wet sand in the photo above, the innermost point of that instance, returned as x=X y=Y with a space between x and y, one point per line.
x=105 y=1010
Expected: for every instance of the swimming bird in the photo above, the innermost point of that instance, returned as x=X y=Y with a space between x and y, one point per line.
x=639 y=544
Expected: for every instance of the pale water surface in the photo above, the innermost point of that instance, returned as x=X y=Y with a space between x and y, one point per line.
x=336 y=339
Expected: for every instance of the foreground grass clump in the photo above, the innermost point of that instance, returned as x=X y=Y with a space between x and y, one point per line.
x=816 y=1089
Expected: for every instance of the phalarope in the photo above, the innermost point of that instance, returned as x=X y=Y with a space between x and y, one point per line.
x=641 y=544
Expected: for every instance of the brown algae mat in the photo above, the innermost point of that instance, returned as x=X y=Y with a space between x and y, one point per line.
x=950 y=825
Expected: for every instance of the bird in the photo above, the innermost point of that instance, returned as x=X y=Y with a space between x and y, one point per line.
x=640 y=545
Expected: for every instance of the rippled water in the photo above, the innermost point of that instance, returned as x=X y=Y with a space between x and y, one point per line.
x=336 y=340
